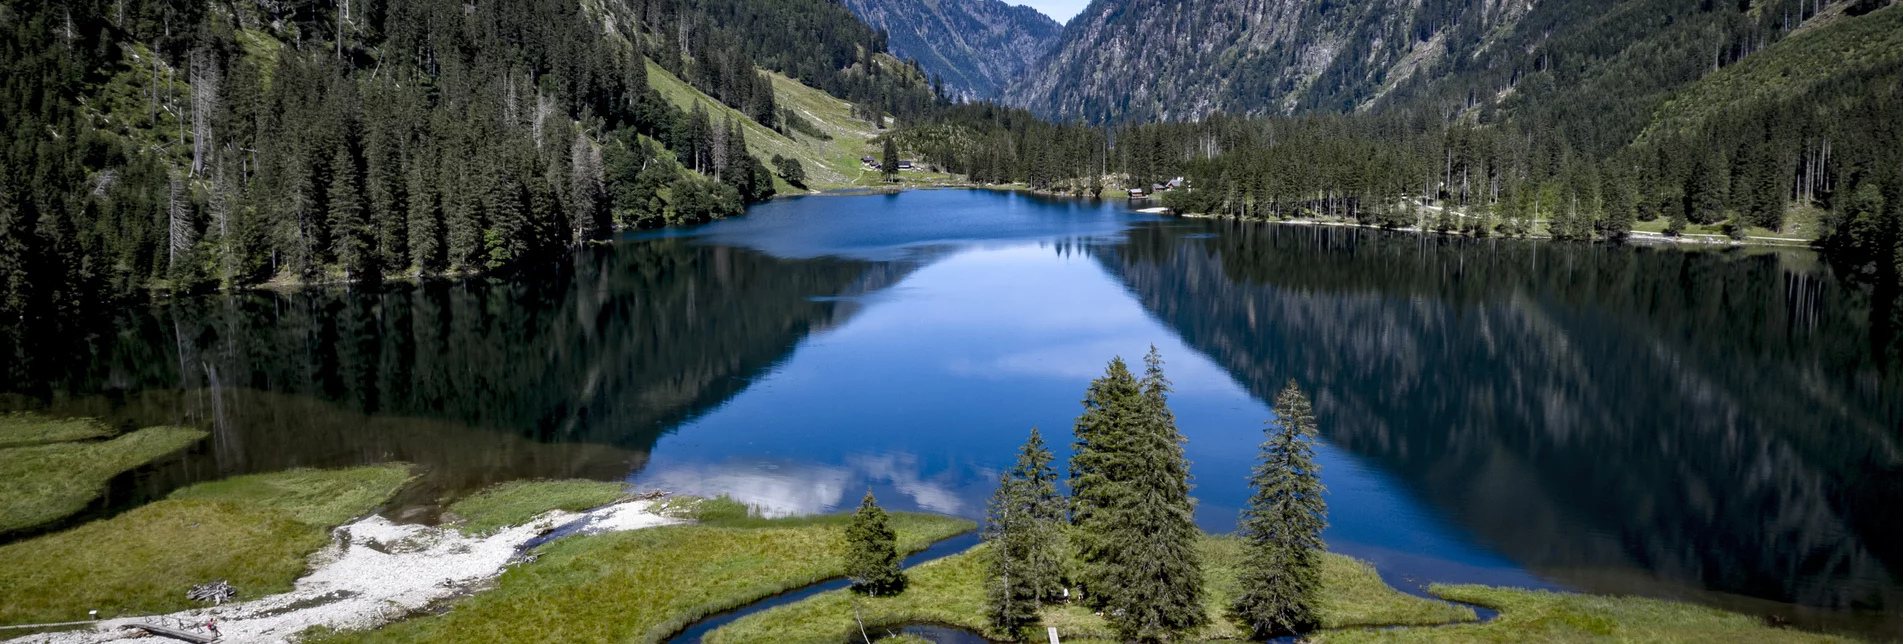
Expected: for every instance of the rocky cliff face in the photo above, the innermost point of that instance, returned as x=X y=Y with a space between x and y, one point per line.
x=1134 y=60
x=976 y=46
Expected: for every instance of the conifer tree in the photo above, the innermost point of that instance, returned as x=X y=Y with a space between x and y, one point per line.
x=1137 y=534
x=889 y=162
x=427 y=252
x=1282 y=525
x=872 y=555
x=349 y=218
x=1103 y=433
x=1023 y=528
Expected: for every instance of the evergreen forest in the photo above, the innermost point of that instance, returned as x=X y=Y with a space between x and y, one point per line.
x=178 y=145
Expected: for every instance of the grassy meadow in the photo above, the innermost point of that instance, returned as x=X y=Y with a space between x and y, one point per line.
x=254 y=531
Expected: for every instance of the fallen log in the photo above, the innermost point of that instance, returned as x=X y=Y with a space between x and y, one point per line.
x=174 y=633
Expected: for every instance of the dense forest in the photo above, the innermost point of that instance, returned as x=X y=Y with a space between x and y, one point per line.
x=170 y=145
x=185 y=144
x=1743 y=161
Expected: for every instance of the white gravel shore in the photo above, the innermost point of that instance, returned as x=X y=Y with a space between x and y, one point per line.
x=374 y=572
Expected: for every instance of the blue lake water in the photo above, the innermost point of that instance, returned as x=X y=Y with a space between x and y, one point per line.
x=1719 y=427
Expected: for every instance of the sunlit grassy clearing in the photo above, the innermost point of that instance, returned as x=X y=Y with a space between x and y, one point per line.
x=518 y=501
x=951 y=591
x=42 y=483
x=254 y=531
x=830 y=164
x=645 y=585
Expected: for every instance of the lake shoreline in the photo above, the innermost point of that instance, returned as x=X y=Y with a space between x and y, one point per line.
x=1634 y=237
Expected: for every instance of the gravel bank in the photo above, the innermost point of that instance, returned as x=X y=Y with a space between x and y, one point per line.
x=374 y=572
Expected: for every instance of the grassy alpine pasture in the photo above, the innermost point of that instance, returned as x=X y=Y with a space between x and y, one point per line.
x=645 y=585
x=254 y=531
x=830 y=163
x=43 y=482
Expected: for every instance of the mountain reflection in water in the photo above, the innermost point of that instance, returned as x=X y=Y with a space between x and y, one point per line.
x=1713 y=426
x=1705 y=425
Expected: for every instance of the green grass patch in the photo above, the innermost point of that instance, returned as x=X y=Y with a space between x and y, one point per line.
x=19 y=429
x=831 y=162
x=1542 y=616
x=516 y=502
x=951 y=591
x=254 y=531
x=644 y=585
x=43 y=483
x=316 y=497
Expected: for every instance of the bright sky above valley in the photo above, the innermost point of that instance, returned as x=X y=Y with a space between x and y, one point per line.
x=1060 y=10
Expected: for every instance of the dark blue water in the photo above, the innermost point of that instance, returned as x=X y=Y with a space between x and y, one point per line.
x=1719 y=427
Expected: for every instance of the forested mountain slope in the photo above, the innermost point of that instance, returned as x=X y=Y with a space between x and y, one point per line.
x=1136 y=60
x=184 y=144
x=1590 y=63
x=975 y=47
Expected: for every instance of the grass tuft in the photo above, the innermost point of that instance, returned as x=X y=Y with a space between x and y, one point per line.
x=42 y=483
x=517 y=502
x=254 y=531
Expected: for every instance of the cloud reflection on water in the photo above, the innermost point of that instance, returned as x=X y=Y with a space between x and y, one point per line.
x=786 y=487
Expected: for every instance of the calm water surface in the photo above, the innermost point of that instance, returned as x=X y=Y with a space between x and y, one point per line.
x=1718 y=427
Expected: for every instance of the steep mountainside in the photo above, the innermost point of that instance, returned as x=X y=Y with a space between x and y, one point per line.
x=1594 y=68
x=1133 y=60
x=975 y=46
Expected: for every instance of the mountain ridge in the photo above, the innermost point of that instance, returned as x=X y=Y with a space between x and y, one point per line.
x=975 y=46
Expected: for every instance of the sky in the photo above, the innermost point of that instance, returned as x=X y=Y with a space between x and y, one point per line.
x=1060 y=10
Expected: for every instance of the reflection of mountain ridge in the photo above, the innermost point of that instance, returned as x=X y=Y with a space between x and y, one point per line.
x=1580 y=407
x=617 y=348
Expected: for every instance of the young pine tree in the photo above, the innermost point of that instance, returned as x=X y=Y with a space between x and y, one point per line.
x=1022 y=526
x=872 y=554
x=1282 y=525
x=1136 y=521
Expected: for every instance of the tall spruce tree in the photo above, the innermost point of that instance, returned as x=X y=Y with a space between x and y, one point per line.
x=1136 y=521
x=1100 y=455
x=1023 y=529
x=872 y=554
x=889 y=161
x=1282 y=526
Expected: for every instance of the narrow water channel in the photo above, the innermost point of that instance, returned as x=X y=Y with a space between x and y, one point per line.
x=939 y=550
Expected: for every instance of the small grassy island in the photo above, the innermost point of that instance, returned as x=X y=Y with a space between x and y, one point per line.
x=51 y=468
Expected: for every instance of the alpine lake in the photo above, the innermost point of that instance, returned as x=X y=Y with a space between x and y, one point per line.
x=1720 y=426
